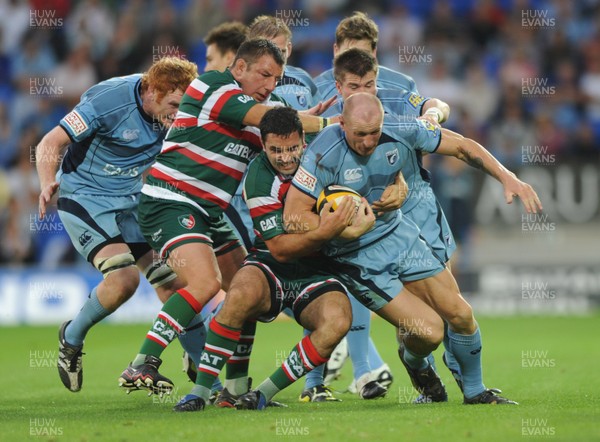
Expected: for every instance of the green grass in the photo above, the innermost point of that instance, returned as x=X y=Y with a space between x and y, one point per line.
x=559 y=393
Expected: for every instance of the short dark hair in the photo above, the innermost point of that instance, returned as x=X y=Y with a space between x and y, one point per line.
x=252 y=50
x=227 y=37
x=359 y=26
x=354 y=61
x=282 y=121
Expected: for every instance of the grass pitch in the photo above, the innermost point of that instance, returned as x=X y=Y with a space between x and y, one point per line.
x=548 y=364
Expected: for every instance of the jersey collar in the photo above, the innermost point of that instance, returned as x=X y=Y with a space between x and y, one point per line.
x=138 y=102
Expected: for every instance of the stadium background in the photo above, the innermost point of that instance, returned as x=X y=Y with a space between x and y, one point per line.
x=521 y=77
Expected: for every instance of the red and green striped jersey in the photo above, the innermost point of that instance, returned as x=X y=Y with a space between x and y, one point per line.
x=264 y=192
x=208 y=148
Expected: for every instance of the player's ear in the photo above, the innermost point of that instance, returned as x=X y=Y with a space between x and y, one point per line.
x=229 y=56
x=239 y=66
x=152 y=92
x=338 y=86
x=335 y=50
x=289 y=49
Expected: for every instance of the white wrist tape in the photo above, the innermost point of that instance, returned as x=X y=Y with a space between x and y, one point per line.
x=436 y=112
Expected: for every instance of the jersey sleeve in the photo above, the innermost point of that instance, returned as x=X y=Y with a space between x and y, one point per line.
x=82 y=122
x=229 y=105
x=424 y=136
x=413 y=87
x=265 y=207
x=401 y=102
x=311 y=178
x=414 y=103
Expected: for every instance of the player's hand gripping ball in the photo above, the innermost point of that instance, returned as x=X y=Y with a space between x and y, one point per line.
x=335 y=194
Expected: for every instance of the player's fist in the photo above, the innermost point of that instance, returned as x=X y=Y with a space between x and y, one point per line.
x=46 y=195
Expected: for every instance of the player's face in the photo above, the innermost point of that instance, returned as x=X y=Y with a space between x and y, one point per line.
x=284 y=45
x=363 y=133
x=284 y=152
x=353 y=84
x=217 y=61
x=165 y=109
x=259 y=78
x=365 y=45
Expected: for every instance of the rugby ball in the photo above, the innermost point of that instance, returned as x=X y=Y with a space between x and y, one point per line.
x=335 y=194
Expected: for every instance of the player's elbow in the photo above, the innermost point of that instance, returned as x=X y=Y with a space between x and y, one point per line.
x=278 y=249
x=281 y=256
x=463 y=147
x=289 y=227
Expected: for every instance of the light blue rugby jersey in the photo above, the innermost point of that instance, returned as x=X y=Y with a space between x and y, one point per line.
x=298 y=88
x=113 y=140
x=386 y=79
x=394 y=101
x=329 y=160
x=401 y=108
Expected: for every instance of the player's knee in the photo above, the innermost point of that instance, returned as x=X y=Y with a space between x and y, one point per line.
x=206 y=290
x=236 y=298
x=435 y=333
x=335 y=318
x=339 y=322
x=123 y=283
x=240 y=302
x=461 y=320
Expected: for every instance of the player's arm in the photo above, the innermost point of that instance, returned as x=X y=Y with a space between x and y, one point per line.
x=393 y=196
x=362 y=222
x=475 y=155
x=298 y=215
x=438 y=110
x=287 y=247
x=311 y=123
x=47 y=157
x=320 y=107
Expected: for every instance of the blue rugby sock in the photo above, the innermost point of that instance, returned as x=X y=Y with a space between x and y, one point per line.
x=414 y=360
x=91 y=313
x=451 y=362
x=314 y=377
x=192 y=341
x=358 y=338
x=193 y=338
x=374 y=358
x=467 y=351
x=431 y=361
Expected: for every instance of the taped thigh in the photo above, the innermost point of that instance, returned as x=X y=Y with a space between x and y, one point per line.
x=114 y=263
x=158 y=274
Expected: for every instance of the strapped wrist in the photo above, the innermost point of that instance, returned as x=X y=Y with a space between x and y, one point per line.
x=435 y=111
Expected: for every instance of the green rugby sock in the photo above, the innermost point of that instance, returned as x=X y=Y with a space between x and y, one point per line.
x=175 y=315
x=302 y=359
x=221 y=342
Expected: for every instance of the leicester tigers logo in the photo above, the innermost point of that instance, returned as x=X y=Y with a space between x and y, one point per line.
x=186 y=221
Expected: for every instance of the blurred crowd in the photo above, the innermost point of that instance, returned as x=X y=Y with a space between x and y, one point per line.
x=516 y=73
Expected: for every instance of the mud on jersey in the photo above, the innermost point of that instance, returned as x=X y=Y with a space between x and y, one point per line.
x=208 y=148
